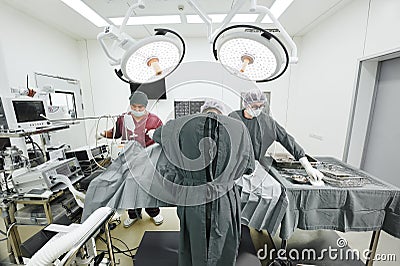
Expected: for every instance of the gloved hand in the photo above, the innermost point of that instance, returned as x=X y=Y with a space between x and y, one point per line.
x=315 y=175
x=150 y=133
x=100 y=135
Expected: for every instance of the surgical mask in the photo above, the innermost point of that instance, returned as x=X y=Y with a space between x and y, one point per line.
x=138 y=113
x=254 y=112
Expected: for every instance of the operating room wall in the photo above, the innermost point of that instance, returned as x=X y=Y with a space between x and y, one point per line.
x=382 y=32
x=3 y=74
x=29 y=46
x=323 y=82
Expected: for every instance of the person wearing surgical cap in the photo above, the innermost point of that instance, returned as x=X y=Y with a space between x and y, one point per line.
x=208 y=151
x=264 y=130
x=139 y=125
x=212 y=106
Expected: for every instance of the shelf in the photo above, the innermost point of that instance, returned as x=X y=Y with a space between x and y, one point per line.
x=17 y=133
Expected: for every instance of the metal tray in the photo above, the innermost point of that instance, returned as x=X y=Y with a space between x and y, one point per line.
x=285 y=160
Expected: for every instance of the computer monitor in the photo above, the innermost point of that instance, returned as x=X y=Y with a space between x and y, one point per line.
x=25 y=113
x=154 y=91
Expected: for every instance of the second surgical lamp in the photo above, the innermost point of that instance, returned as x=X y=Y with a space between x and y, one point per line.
x=246 y=51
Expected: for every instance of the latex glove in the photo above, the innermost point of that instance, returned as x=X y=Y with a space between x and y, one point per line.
x=100 y=135
x=315 y=175
x=150 y=133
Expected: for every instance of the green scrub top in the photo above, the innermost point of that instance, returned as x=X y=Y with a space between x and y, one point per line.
x=264 y=130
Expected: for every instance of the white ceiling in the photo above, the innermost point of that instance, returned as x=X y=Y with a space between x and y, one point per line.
x=300 y=17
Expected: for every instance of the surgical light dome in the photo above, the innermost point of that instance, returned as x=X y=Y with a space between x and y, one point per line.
x=256 y=55
x=152 y=59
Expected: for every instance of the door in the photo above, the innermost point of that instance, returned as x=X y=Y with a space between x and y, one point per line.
x=381 y=153
x=64 y=102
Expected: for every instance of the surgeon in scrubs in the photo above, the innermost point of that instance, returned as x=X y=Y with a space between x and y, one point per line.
x=210 y=227
x=139 y=125
x=264 y=130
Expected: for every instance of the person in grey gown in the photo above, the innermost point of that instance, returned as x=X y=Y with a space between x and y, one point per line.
x=264 y=130
x=209 y=151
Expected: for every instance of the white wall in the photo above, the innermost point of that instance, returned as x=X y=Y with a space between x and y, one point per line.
x=31 y=46
x=322 y=83
x=382 y=31
x=3 y=72
x=27 y=46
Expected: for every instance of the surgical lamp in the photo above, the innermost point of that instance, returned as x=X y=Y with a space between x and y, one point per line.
x=251 y=53
x=146 y=60
x=257 y=57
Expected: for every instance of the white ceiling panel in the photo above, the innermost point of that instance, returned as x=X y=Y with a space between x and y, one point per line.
x=297 y=19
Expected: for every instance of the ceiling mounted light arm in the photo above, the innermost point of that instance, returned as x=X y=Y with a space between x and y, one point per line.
x=238 y=4
x=118 y=35
x=138 y=4
x=146 y=60
x=203 y=16
x=253 y=5
x=101 y=38
x=293 y=59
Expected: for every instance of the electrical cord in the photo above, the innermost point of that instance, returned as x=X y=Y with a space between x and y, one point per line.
x=9 y=229
x=119 y=251
x=123 y=243
x=33 y=145
x=113 y=136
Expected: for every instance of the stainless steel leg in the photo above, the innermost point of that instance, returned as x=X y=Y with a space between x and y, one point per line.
x=372 y=247
x=8 y=209
x=284 y=244
x=109 y=244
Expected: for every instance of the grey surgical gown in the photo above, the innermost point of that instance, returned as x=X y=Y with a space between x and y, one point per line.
x=210 y=229
x=264 y=130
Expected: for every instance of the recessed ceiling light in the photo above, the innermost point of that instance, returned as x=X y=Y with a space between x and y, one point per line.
x=219 y=18
x=215 y=18
x=86 y=12
x=277 y=9
x=149 y=20
x=244 y=18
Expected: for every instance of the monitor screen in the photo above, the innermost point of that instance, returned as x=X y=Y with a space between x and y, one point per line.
x=154 y=91
x=28 y=111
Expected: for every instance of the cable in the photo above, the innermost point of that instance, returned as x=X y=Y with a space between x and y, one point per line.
x=9 y=229
x=40 y=149
x=113 y=136
x=120 y=251
x=35 y=159
x=123 y=244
